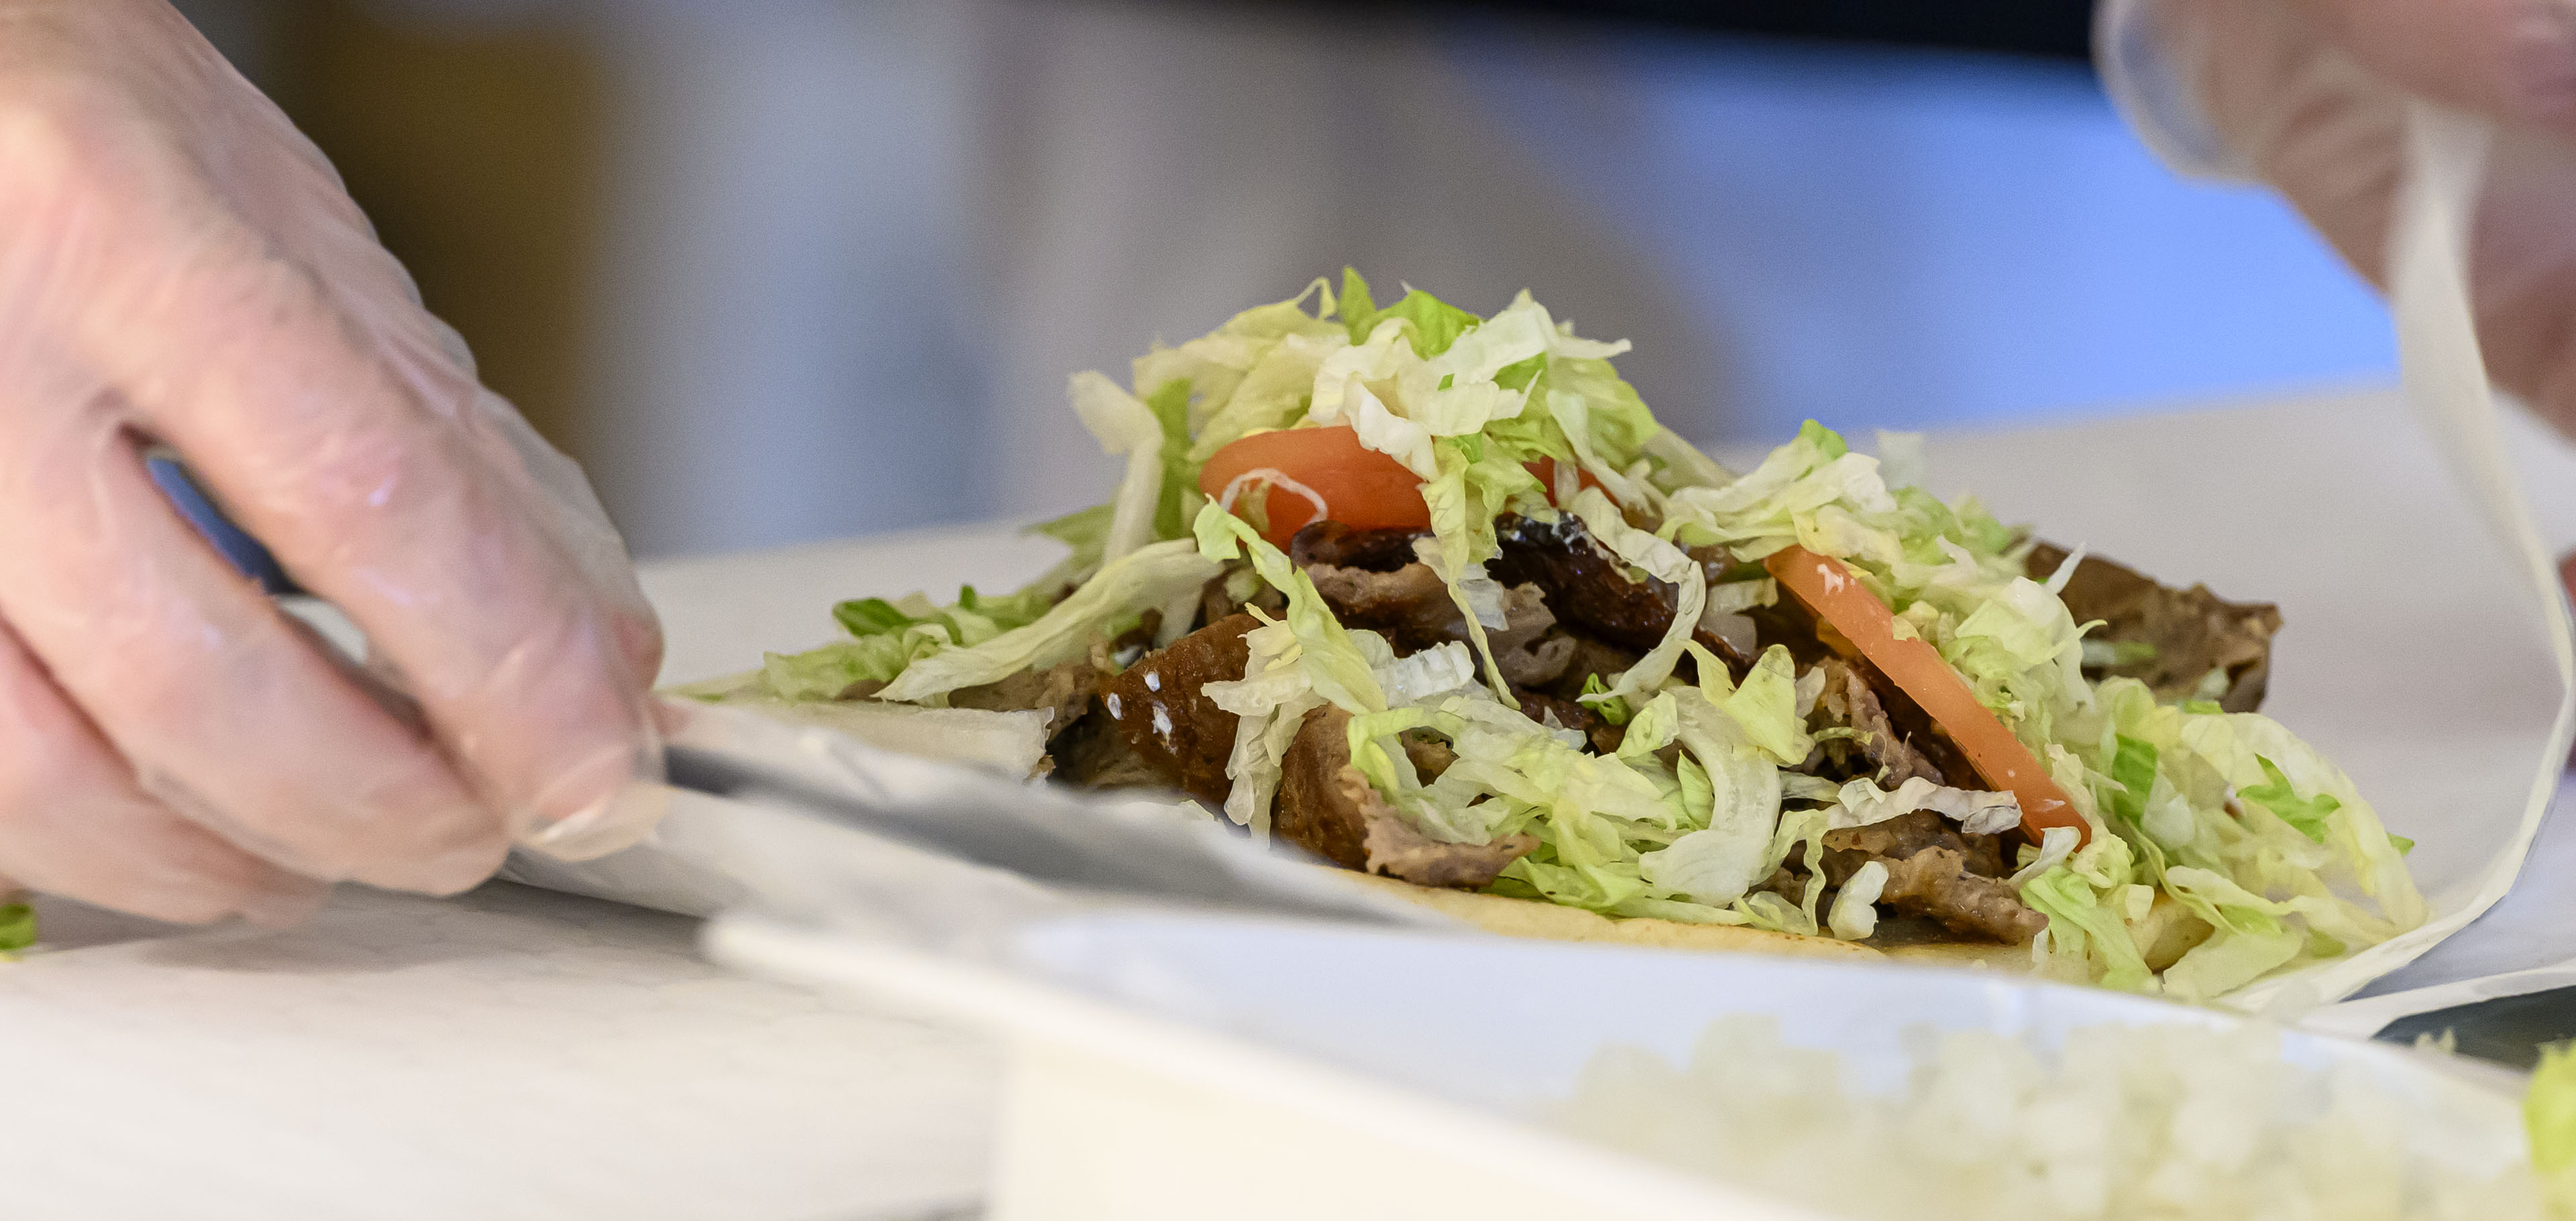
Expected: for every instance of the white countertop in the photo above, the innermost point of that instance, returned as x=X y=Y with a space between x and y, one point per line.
x=512 y=1053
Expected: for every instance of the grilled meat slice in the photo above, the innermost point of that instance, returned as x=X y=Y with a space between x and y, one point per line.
x=1587 y=587
x=1559 y=713
x=1093 y=753
x=1331 y=542
x=1408 y=605
x=1589 y=658
x=1327 y=808
x=1063 y=690
x=1936 y=870
x=1529 y=650
x=1905 y=835
x=1168 y=722
x=1916 y=729
x=1936 y=882
x=2188 y=635
x=1849 y=700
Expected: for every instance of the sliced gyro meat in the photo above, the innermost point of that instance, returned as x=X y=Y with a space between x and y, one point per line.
x=1936 y=882
x=1589 y=589
x=1167 y=720
x=2182 y=643
x=1586 y=586
x=1328 y=808
x=1408 y=605
x=1934 y=869
x=1063 y=691
x=1331 y=542
x=1849 y=701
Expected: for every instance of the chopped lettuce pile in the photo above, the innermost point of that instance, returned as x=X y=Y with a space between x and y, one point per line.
x=2549 y=1125
x=2195 y=812
x=17 y=928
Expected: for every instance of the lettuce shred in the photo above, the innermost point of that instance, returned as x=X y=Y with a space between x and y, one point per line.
x=17 y=928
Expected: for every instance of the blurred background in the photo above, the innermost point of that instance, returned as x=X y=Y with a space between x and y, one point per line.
x=779 y=270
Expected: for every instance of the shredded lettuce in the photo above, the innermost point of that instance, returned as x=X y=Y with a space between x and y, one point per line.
x=1086 y=533
x=1152 y=576
x=1860 y=803
x=1239 y=373
x=1766 y=705
x=1855 y=913
x=2080 y=928
x=837 y=670
x=2307 y=816
x=2549 y=1125
x=1271 y=701
x=17 y=928
x=1333 y=666
x=1173 y=491
x=1665 y=562
x=1428 y=323
x=1731 y=849
x=1127 y=428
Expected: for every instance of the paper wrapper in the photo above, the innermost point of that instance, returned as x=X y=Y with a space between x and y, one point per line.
x=2426 y=645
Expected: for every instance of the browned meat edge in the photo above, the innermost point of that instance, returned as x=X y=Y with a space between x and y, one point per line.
x=1936 y=870
x=2192 y=631
x=1328 y=808
x=1168 y=721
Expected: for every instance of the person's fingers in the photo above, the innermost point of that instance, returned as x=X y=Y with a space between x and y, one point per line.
x=338 y=432
x=365 y=286
x=2513 y=60
x=2286 y=86
x=2300 y=113
x=72 y=822
x=394 y=500
x=199 y=682
x=226 y=711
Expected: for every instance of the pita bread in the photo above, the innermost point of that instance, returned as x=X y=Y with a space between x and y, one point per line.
x=1547 y=921
x=1013 y=743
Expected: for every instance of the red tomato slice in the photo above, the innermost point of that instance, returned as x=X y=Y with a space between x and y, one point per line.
x=1361 y=488
x=1829 y=589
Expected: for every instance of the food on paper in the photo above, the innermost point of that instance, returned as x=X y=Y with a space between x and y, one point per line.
x=1434 y=597
x=2160 y=1121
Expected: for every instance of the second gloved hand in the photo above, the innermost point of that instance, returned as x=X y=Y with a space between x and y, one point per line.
x=2310 y=96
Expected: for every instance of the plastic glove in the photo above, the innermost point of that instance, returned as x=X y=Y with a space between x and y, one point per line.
x=2307 y=95
x=179 y=266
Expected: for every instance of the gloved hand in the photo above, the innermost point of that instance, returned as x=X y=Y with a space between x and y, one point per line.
x=179 y=266
x=2308 y=95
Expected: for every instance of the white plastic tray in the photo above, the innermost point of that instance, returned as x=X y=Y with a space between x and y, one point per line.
x=1178 y=1067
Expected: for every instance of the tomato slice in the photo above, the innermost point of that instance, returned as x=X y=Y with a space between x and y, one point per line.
x=1847 y=606
x=1361 y=488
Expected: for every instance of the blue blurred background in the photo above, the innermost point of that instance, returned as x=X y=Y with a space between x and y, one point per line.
x=779 y=270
